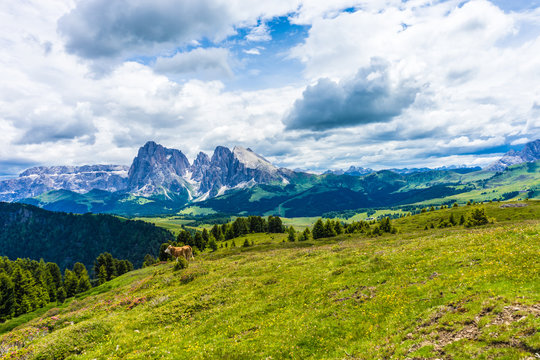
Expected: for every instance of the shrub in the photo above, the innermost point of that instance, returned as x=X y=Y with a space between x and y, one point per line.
x=181 y=263
x=477 y=217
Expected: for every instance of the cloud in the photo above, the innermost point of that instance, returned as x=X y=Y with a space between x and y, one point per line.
x=97 y=29
x=51 y=125
x=259 y=33
x=212 y=62
x=369 y=97
x=253 y=51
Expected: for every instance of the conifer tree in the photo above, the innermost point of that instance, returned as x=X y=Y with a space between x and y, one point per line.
x=102 y=274
x=318 y=229
x=70 y=283
x=83 y=278
x=61 y=295
x=7 y=297
x=329 y=230
x=291 y=234
x=24 y=286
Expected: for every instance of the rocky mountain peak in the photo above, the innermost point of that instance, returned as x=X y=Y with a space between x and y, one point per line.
x=252 y=160
x=155 y=167
x=529 y=153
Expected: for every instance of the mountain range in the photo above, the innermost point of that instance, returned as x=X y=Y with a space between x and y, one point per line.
x=529 y=153
x=162 y=180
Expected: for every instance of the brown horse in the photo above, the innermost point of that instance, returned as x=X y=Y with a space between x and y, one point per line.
x=184 y=251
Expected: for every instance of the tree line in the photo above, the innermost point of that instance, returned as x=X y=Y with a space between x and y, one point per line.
x=26 y=285
x=62 y=238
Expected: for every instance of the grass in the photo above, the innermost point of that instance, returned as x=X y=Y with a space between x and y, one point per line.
x=445 y=293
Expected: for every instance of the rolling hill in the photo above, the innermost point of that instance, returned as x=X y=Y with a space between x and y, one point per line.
x=439 y=293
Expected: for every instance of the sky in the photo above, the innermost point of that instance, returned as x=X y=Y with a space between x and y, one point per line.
x=309 y=84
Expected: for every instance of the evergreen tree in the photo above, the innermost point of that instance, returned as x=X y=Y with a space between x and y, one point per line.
x=56 y=274
x=318 y=229
x=102 y=274
x=25 y=296
x=70 y=283
x=461 y=220
x=477 y=217
x=84 y=279
x=229 y=233
x=329 y=230
x=198 y=241
x=291 y=234
x=275 y=225
x=305 y=235
x=240 y=227
x=452 y=220
x=246 y=243
x=185 y=238
x=338 y=227
x=212 y=244
x=148 y=260
x=104 y=259
x=455 y=205
x=206 y=238
x=61 y=295
x=7 y=297
x=163 y=256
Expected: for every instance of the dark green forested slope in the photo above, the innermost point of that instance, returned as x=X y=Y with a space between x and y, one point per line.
x=30 y=232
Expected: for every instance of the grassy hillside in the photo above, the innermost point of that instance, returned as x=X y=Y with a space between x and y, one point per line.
x=442 y=293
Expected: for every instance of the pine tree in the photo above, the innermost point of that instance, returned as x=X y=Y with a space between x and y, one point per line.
x=148 y=260
x=199 y=241
x=329 y=230
x=61 y=295
x=212 y=244
x=206 y=238
x=452 y=220
x=338 y=227
x=70 y=283
x=305 y=235
x=455 y=205
x=318 y=229
x=102 y=274
x=7 y=297
x=83 y=278
x=292 y=234
x=25 y=296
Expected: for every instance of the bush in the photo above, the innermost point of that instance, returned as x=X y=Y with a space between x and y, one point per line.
x=181 y=263
x=477 y=217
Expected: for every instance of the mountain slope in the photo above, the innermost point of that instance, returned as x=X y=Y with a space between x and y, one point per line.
x=28 y=231
x=442 y=293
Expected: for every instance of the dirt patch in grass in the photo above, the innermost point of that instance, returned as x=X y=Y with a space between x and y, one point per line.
x=486 y=327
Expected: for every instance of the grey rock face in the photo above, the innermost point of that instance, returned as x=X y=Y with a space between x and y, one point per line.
x=81 y=179
x=157 y=168
x=529 y=153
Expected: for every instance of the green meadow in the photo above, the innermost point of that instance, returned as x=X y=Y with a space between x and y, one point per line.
x=444 y=292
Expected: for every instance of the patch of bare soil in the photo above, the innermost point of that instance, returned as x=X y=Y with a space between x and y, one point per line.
x=441 y=337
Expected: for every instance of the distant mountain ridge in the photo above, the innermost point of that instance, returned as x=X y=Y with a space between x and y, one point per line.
x=81 y=179
x=155 y=171
x=360 y=171
x=162 y=180
x=529 y=153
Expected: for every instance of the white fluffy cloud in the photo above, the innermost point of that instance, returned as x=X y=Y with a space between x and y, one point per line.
x=475 y=72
